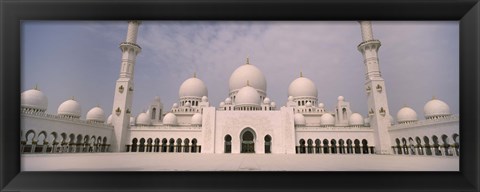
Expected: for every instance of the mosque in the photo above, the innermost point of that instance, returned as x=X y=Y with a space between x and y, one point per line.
x=247 y=121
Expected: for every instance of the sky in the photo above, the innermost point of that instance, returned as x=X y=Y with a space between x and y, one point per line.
x=418 y=60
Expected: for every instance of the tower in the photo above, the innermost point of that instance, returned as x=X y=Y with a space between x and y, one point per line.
x=122 y=102
x=375 y=87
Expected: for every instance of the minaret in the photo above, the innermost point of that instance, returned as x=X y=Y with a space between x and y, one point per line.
x=122 y=102
x=375 y=87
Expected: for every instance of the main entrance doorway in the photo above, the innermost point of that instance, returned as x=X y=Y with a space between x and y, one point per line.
x=248 y=144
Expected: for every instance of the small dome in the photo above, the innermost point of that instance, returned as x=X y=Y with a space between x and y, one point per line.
x=187 y=104
x=302 y=87
x=299 y=119
x=193 y=87
x=309 y=104
x=367 y=121
x=109 y=119
x=34 y=99
x=355 y=119
x=327 y=119
x=96 y=114
x=222 y=104
x=266 y=100
x=436 y=108
x=341 y=98
x=132 y=120
x=204 y=99
x=197 y=119
x=290 y=98
x=246 y=73
x=228 y=100
x=273 y=104
x=170 y=119
x=247 y=96
x=157 y=99
x=321 y=105
x=143 y=119
x=70 y=108
x=406 y=114
x=175 y=105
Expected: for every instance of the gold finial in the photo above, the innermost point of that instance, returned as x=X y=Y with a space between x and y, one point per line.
x=73 y=98
x=36 y=87
x=301 y=74
x=98 y=105
x=248 y=61
x=433 y=97
x=248 y=83
x=195 y=74
x=405 y=105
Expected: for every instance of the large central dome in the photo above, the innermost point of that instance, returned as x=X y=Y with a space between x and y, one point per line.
x=302 y=87
x=248 y=73
x=193 y=87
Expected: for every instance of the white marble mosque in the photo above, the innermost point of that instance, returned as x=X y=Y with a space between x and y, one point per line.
x=247 y=121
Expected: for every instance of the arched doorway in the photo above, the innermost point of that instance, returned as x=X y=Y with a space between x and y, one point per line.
x=247 y=139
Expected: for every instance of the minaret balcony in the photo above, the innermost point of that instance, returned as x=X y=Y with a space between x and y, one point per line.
x=129 y=45
x=369 y=45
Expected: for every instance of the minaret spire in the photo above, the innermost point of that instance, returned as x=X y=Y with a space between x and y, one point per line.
x=376 y=92
x=122 y=102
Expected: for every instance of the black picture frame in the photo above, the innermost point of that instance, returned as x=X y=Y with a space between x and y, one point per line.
x=12 y=12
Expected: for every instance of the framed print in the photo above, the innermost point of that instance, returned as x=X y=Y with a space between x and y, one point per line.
x=282 y=121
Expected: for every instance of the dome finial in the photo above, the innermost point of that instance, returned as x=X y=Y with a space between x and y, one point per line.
x=248 y=61
x=36 y=87
x=433 y=97
x=194 y=74
x=73 y=98
x=248 y=83
x=301 y=74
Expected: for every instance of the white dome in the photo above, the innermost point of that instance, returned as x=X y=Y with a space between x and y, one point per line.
x=228 y=100
x=70 y=108
x=435 y=108
x=109 y=119
x=406 y=114
x=34 y=99
x=143 y=119
x=299 y=119
x=193 y=87
x=170 y=119
x=327 y=119
x=157 y=99
x=204 y=99
x=248 y=73
x=222 y=104
x=266 y=100
x=187 y=104
x=132 y=120
x=355 y=119
x=302 y=87
x=273 y=104
x=247 y=96
x=175 y=105
x=309 y=104
x=290 y=98
x=96 y=114
x=341 y=98
x=367 y=121
x=197 y=119
x=321 y=105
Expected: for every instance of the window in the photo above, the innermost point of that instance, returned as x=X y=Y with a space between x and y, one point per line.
x=228 y=144
x=268 y=144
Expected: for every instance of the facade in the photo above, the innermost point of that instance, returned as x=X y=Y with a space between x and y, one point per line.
x=247 y=121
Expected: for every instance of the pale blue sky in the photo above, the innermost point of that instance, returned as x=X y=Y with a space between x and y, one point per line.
x=418 y=60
